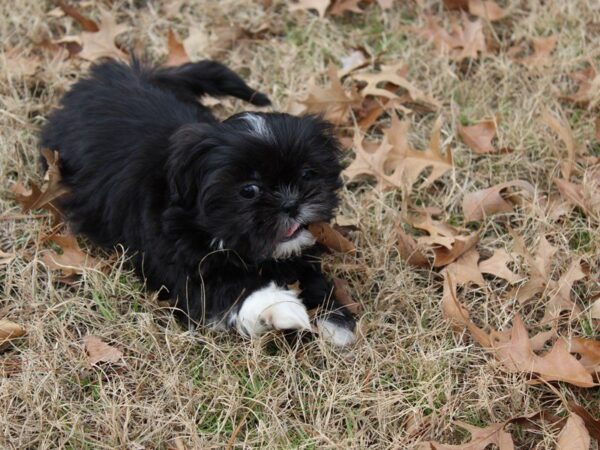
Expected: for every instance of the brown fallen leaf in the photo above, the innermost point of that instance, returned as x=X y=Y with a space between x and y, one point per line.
x=341 y=294
x=481 y=438
x=564 y=131
x=589 y=350
x=541 y=55
x=385 y=4
x=395 y=164
x=99 y=351
x=73 y=259
x=20 y=63
x=392 y=74
x=495 y=200
x=177 y=54
x=574 y=436
x=561 y=299
x=479 y=137
x=558 y=364
x=592 y=425
x=465 y=269
x=352 y=62
x=86 y=23
x=588 y=87
x=486 y=9
x=339 y=7
x=497 y=265
x=330 y=238
x=318 y=5
x=101 y=44
x=333 y=101
x=407 y=247
x=539 y=268
x=10 y=331
x=466 y=41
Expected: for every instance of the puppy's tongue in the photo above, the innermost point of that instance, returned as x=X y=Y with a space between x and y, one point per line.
x=291 y=230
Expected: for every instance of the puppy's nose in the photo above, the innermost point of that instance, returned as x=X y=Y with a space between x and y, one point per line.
x=290 y=207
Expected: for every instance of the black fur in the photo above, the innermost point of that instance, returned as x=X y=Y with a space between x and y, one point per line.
x=150 y=168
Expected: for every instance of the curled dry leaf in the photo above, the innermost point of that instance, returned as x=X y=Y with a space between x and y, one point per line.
x=352 y=62
x=479 y=137
x=560 y=300
x=574 y=435
x=99 y=351
x=330 y=238
x=563 y=130
x=177 y=54
x=486 y=202
x=86 y=23
x=341 y=294
x=318 y=5
x=333 y=101
x=9 y=331
x=73 y=259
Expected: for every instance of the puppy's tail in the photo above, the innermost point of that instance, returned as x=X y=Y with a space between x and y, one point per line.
x=192 y=80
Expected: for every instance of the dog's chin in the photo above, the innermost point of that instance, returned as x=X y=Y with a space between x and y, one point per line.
x=294 y=246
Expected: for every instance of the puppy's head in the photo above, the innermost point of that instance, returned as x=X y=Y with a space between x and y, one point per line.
x=255 y=181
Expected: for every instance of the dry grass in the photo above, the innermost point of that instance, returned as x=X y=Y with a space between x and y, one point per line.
x=409 y=376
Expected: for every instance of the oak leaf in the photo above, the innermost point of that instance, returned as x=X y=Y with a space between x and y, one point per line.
x=589 y=350
x=588 y=87
x=479 y=137
x=407 y=247
x=333 y=101
x=465 y=269
x=574 y=435
x=592 y=425
x=391 y=74
x=339 y=7
x=101 y=44
x=73 y=259
x=494 y=200
x=99 y=351
x=497 y=265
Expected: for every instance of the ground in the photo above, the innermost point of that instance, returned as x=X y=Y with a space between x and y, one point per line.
x=411 y=376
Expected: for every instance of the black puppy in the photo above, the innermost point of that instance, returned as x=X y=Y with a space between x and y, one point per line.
x=214 y=212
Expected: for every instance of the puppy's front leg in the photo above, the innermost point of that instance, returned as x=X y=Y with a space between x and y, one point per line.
x=270 y=307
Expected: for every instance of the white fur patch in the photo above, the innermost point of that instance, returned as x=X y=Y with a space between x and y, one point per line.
x=294 y=246
x=258 y=125
x=271 y=308
x=337 y=335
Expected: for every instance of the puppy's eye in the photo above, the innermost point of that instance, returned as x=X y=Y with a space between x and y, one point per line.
x=250 y=191
x=308 y=174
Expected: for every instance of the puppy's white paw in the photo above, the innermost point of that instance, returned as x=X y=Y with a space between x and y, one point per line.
x=271 y=307
x=335 y=333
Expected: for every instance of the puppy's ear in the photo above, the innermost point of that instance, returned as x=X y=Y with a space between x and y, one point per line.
x=189 y=145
